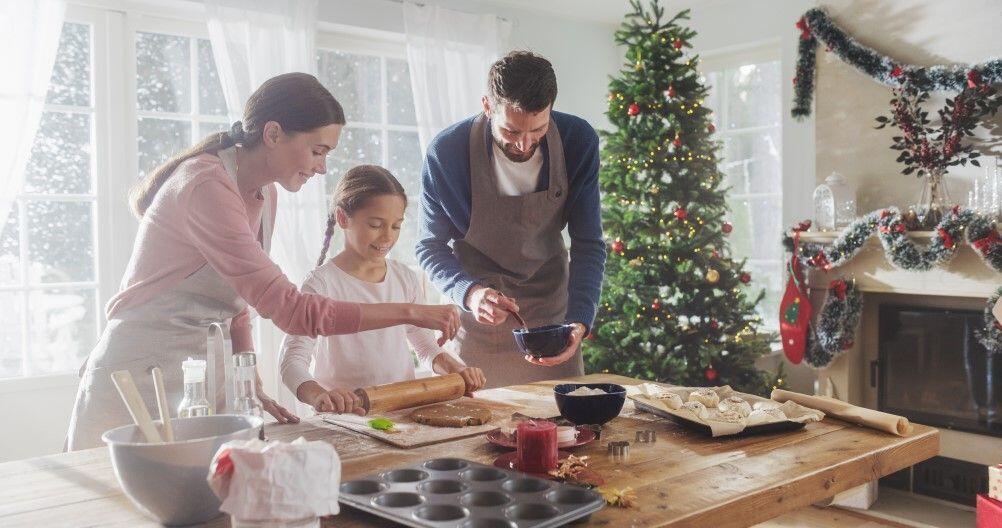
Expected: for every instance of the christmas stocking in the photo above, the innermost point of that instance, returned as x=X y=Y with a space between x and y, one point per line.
x=794 y=310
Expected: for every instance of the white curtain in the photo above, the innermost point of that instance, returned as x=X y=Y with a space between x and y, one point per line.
x=449 y=53
x=32 y=30
x=252 y=41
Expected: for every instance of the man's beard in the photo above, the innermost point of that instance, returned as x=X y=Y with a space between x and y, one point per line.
x=517 y=158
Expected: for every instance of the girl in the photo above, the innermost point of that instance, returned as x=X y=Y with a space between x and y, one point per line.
x=368 y=204
x=200 y=256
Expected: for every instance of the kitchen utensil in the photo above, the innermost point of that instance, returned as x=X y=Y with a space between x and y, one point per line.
x=452 y=492
x=134 y=403
x=543 y=341
x=595 y=409
x=411 y=393
x=167 y=481
x=158 y=385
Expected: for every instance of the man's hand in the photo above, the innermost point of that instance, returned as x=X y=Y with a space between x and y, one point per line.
x=489 y=306
x=577 y=334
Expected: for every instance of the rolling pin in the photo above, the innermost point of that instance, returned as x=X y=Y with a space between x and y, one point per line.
x=411 y=393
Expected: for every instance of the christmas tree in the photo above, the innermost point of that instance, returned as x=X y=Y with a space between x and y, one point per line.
x=675 y=307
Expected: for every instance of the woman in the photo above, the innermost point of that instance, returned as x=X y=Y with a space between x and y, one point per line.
x=201 y=256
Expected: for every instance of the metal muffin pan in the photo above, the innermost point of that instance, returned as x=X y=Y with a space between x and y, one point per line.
x=453 y=492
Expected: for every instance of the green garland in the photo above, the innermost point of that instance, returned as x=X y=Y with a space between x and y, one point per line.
x=816 y=25
x=991 y=335
x=836 y=326
x=889 y=225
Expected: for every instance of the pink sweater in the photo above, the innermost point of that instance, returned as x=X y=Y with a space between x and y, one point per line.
x=199 y=217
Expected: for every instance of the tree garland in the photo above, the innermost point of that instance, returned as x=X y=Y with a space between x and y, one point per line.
x=890 y=226
x=991 y=335
x=833 y=334
x=816 y=25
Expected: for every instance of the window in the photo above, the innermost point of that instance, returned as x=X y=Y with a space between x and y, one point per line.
x=745 y=97
x=48 y=257
x=179 y=99
x=375 y=91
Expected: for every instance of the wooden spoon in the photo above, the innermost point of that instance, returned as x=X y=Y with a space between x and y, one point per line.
x=158 y=384
x=137 y=408
x=515 y=314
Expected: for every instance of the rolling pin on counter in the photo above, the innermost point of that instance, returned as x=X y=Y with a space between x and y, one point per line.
x=411 y=393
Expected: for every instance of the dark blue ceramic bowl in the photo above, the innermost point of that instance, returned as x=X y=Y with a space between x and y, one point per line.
x=590 y=410
x=543 y=341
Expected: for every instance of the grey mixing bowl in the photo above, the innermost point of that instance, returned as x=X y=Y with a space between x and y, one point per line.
x=168 y=481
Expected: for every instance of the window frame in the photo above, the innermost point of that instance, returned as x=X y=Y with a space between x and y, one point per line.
x=729 y=59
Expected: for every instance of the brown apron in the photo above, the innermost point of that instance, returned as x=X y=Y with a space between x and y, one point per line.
x=514 y=244
x=161 y=332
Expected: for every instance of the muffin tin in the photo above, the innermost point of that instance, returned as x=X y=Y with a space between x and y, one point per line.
x=453 y=492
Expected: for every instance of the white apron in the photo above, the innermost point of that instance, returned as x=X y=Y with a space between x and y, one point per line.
x=161 y=332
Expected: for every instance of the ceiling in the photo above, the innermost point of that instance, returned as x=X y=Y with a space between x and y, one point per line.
x=603 y=11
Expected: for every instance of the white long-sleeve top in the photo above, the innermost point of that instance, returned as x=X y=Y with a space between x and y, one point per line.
x=363 y=359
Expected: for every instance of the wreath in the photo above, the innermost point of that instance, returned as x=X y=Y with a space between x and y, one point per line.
x=836 y=326
x=990 y=335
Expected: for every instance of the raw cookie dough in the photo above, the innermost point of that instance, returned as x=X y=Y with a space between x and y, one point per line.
x=452 y=414
x=707 y=397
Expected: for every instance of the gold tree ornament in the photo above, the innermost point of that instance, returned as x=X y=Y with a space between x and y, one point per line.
x=712 y=276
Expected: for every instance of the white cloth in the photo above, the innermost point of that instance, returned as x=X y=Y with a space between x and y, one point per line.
x=252 y=41
x=373 y=357
x=998 y=310
x=517 y=178
x=449 y=53
x=32 y=30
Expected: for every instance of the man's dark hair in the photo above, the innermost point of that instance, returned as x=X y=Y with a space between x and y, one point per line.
x=522 y=80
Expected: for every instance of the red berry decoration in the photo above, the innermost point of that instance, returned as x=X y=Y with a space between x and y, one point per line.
x=677 y=142
x=618 y=246
x=727 y=227
x=656 y=305
x=633 y=110
x=681 y=214
x=677 y=43
x=714 y=324
x=670 y=92
x=745 y=278
x=897 y=72
x=711 y=374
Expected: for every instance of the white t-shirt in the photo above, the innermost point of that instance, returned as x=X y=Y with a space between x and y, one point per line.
x=372 y=357
x=517 y=178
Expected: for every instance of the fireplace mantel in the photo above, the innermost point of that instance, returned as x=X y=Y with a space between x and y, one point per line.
x=967 y=275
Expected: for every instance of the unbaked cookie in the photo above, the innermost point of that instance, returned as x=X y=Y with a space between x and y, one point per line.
x=452 y=414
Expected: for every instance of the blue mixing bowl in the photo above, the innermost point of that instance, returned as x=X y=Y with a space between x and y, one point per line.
x=543 y=341
x=590 y=410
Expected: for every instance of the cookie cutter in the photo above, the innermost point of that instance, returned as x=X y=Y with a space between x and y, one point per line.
x=647 y=436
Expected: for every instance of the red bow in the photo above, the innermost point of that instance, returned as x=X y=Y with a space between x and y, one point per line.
x=946 y=238
x=839 y=287
x=897 y=71
x=805 y=31
x=821 y=261
x=984 y=245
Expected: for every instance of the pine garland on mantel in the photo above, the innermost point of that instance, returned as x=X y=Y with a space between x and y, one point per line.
x=889 y=225
x=817 y=26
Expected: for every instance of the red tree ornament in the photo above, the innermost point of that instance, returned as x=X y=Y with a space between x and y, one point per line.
x=727 y=227
x=745 y=278
x=710 y=128
x=618 y=246
x=677 y=142
x=656 y=305
x=677 y=43
x=670 y=92
x=633 y=109
x=714 y=324
x=681 y=213
x=711 y=374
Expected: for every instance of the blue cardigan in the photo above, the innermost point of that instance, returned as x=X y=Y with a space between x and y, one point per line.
x=446 y=204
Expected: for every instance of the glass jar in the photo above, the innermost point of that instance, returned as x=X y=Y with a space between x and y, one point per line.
x=834 y=203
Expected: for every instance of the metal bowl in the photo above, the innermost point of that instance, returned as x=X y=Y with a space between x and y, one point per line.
x=168 y=481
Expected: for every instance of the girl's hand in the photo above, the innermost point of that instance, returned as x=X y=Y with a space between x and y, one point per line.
x=281 y=414
x=441 y=317
x=338 y=401
x=474 y=378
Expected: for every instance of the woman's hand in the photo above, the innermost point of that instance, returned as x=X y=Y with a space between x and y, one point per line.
x=489 y=306
x=445 y=363
x=339 y=401
x=441 y=317
x=281 y=414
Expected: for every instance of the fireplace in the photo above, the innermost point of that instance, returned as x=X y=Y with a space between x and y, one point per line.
x=931 y=368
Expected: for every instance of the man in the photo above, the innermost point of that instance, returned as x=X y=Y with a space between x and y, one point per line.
x=500 y=187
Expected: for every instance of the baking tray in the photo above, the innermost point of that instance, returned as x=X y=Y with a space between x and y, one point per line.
x=453 y=493
x=774 y=427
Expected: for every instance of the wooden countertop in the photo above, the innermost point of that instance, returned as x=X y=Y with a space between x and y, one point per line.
x=683 y=479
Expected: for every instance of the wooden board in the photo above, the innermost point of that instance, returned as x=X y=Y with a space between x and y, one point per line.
x=412 y=434
x=684 y=479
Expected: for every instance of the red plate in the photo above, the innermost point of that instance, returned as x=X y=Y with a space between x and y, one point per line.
x=509 y=460
x=585 y=436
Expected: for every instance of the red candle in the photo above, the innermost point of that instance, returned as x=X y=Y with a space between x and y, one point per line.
x=537 y=446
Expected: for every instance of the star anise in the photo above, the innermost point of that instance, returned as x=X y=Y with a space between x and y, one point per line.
x=623 y=498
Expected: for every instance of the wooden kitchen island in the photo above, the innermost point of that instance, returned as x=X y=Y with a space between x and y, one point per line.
x=683 y=479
